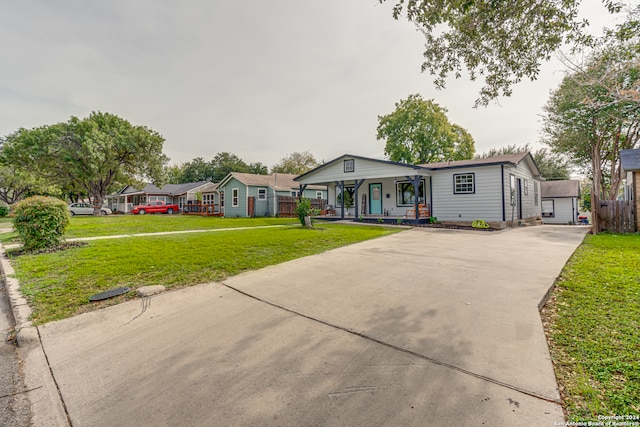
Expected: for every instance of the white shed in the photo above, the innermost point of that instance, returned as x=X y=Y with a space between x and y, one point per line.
x=560 y=201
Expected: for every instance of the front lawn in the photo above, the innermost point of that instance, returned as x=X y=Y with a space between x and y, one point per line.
x=593 y=327
x=58 y=285
x=108 y=225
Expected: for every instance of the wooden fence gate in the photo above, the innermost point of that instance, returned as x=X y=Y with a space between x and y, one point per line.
x=616 y=216
x=287 y=206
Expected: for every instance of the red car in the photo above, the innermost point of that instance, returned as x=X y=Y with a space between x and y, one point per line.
x=155 y=207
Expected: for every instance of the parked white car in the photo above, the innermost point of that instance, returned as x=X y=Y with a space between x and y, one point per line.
x=86 y=209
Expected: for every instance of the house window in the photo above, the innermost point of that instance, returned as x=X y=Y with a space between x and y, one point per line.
x=349 y=165
x=318 y=194
x=207 y=199
x=464 y=183
x=526 y=187
x=406 y=193
x=295 y=193
x=547 y=209
x=262 y=194
x=349 y=195
x=235 y=199
x=182 y=200
x=535 y=192
x=512 y=189
x=222 y=199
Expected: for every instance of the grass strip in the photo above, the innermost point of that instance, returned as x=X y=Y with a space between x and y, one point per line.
x=59 y=284
x=593 y=328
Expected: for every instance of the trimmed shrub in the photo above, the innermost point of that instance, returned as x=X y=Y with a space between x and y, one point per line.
x=4 y=211
x=304 y=209
x=40 y=221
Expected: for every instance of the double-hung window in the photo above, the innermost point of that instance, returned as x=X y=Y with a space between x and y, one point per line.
x=464 y=183
x=235 y=199
x=262 y=194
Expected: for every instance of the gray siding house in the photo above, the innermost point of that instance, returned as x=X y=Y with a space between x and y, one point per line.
x=630 y=160
x=248 y=195
x=500 y=190
x=180 y=194
x=560 y=202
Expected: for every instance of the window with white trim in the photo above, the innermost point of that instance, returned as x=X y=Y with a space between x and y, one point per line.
x=349 y=165
x=222 y=199
x=548 y=209
x=207 y=199
x=235 y=198
x=295 y=193
x=464 y=183
x=535 y=192
x=318 y=194
x=262 y=194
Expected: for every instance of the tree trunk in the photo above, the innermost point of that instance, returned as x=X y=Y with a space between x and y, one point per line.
x=596 y=188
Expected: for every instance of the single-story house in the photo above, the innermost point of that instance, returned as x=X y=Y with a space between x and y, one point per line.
x=630 y=160
x=560 y=201
x=180 y=194
x=248 y=195
x=500 y=190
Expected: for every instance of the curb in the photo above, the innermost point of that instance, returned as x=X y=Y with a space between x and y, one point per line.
x=47 y=408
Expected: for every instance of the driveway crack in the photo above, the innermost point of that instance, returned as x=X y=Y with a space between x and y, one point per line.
x=401 y=349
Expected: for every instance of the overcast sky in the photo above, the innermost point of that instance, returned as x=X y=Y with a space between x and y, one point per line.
x=260 y=79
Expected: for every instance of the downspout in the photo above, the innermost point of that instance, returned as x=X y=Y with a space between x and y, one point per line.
x=504 y=210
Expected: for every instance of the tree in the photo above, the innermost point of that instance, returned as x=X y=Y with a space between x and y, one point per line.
x=225 y=163
x=91 y=154
x=196 y=170
x=258 y=168
x=502 y=41
x=17 y=183
x=295 y=163
x=595 y=113
x=418 y=131
x=550 y=165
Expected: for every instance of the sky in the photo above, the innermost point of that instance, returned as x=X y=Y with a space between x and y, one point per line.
x=259 y=79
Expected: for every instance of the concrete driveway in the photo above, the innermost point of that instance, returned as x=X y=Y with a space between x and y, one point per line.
x=424 y=327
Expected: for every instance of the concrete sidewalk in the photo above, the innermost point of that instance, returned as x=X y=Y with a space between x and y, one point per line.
x=424 y=327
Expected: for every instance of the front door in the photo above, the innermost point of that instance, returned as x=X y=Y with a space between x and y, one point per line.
x=375 y=197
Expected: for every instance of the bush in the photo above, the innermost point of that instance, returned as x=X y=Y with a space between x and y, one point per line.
x=4 y=211
x=303 y=209
x=40 y=221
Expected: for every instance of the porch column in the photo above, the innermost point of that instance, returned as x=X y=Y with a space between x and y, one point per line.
x=357 y=185
x=416 y=189
x=341 y=185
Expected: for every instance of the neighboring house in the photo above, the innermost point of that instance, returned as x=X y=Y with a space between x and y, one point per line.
x=180 y=194
x=630 y=160
x=248 y=195
x=560 y=201
x=498 y=189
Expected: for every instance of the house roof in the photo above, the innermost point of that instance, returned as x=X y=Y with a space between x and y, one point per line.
x=277 y=181
x=168 y=189
x=630 y=160
x=558 y=189
x=351 y=156
x=496 y=160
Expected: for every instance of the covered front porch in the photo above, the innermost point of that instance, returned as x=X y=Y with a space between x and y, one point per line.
x=373 y=190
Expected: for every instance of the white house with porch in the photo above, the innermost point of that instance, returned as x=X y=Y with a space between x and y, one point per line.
x=500 y=190
x=180 y=194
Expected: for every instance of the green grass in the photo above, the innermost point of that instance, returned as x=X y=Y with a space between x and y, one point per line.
x=593 y=321
x=59 y=284
x=94 y=226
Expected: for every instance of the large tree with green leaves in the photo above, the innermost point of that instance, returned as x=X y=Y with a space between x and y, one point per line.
x=595 y=113
x=296 y=163
x=91 y=155
x=418 y=131
x=500 y=41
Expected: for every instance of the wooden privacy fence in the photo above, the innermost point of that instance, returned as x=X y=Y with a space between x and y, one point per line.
x=616 y=216
x=287 y=206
